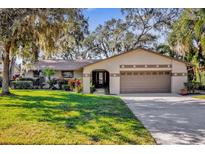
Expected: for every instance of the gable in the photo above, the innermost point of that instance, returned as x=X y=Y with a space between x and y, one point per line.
x=138 y=56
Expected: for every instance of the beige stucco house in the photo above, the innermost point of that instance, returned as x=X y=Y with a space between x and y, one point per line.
x=64 y=69
x=136 y=71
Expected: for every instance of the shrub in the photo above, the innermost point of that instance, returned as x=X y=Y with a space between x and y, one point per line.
x=71 y=84
x=92 y=88
x=22 y=84
x=52 y=84
x=48 y=73
x=16 y=76
x=39 y=82
x=26 y=79
x=201 y=87
x=65 y=87
x=192 y=86
x=78 y=85
x=75 y=85
x=0 y=81
x=61 y=83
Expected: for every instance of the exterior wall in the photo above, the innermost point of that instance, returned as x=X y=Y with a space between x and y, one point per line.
x=179 y=77
x=135 y=58
x=86 y=83
x=115 y=85
x=78 y=73
x=58 y=74
x=29 y=74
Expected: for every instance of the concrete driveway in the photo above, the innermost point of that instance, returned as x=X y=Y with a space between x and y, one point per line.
x=171 y=119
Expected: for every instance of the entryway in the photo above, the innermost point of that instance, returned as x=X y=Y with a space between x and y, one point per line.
x=100 y=80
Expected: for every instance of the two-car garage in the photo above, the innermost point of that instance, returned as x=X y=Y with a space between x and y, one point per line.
x=145 y=81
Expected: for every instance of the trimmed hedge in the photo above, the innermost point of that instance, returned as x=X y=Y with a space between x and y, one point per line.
x=22 y=84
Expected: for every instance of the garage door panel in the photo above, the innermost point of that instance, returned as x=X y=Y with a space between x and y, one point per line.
x=134 y=82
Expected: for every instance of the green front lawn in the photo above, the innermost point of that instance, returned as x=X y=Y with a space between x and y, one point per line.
x=59 y=117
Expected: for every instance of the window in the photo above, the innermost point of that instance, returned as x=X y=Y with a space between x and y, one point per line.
x=36 y=74
x=67 y=74
x=100 y=78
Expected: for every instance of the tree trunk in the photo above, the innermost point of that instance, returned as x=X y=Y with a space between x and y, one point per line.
x=5 y=83
x=12 y=67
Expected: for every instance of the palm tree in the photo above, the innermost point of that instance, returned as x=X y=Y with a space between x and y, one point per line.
x=188 y=37
x=48 y=73
x=166 y=50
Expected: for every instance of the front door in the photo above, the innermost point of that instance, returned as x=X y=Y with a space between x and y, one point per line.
x=100 y=79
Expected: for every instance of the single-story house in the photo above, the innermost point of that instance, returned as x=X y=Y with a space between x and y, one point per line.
x=64 y=69
x=136 y=71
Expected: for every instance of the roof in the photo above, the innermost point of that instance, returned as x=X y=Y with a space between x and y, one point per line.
x=146 y=50
x=62 y=64
x=77 y=64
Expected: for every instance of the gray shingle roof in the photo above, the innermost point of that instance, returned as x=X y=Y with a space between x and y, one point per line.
x=62 y=64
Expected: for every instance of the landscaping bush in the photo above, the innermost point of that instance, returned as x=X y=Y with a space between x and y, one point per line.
x=192 y=86
x=22 y=84
x=26 y=79
x=48 y=73
x=78 y=86
x=71 y=84
x=61 y=83
x=65 y=87
x=75 y=85
x=39 y=82
x=0 y=81
x=52 y=84
x=92 y=88
x=201 y=87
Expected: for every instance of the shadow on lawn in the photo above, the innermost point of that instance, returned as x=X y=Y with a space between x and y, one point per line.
x=104 y=111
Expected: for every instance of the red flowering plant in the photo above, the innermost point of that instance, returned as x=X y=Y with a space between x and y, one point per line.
x=75 y=85
x=78 y=85
x=16 y=77
x=71 y=84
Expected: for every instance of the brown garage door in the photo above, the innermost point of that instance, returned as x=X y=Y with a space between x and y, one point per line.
x=152 y=81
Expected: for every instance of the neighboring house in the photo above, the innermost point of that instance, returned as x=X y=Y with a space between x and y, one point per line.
x=135 y=71
x=64 y=69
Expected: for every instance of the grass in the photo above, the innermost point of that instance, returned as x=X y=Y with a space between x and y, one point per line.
x=59 y=117
x=199 y=96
